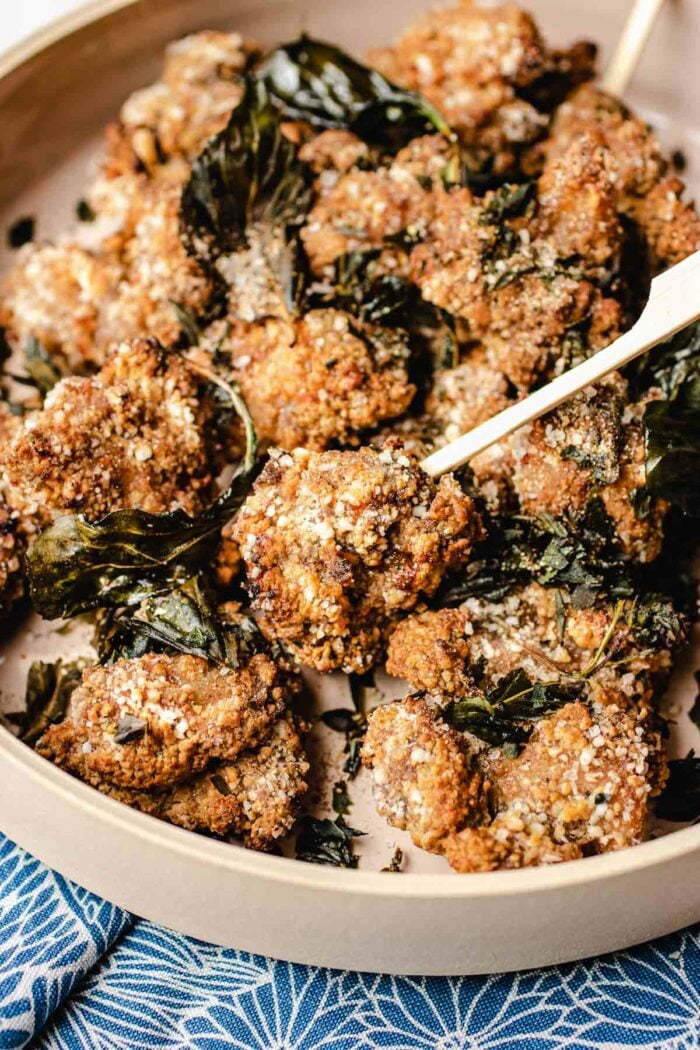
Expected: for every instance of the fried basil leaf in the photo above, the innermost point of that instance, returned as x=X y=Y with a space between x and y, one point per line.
x=318 y=83
x=325 y=841
x=354 y=725
x=48 y=691
x=505 y=714
x=669 y=364
x=672 y=440
x=680 y=798
x=342 y=802
x=247 y=174
x=76 y=565
x=41 y=368
x=186 y=621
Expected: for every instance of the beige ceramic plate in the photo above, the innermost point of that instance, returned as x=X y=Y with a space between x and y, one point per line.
x=56 y=90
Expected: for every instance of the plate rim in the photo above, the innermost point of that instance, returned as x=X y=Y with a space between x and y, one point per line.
x=415 y=885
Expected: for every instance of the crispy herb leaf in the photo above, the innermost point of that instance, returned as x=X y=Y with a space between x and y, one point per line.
x=185 y=620
x=49 y=689
x=573 y=552
x=396 y=860
x=248 y=173
x=76 y=565
x=41 y=368
x=317 y=82
x=668 y=365
x=324 y=841
x=21 y=231
x=342 y=802
x=680 y=798
x=354 y=725
x=672 y=438
x=84 y=212
x=506 y=712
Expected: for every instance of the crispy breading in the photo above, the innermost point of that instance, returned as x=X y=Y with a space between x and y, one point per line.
x=470 y=62
x=333 y=151
x=54 y=294
x=670 y=225
x=254 y=796
x=155 y=272
x=581 y=781
x=168 y=122
x=138 y=434
x=177 y=712
x=430 y=650
x=465 y=396
x=336 y=545
x=359 y=210
x=424 y=779
x=320 y=379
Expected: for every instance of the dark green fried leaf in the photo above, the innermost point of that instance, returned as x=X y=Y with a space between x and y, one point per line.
x=672 y=438
x=354 y=725
x=21 y=231
x=680 y=799
x=247 y=174
x=41 y=368
x=324 y=841
x=49 y=689
x=341 y=800
x=318 y=83
x=505 y=714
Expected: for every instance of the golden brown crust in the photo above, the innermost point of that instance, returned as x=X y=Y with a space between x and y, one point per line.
x=423 y=777
x=336 y=545
x=254 y=796
x=134 y=435
x=319 y=380
x=187 y=711
x=430 y=650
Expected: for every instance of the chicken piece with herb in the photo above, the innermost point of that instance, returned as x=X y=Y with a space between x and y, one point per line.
x=592 y=446
x=581 y=785
x=424 y=779
x=254 y=796
x=138 y=434
x=495 y=264
x=338 y=545
x=481 y=67
x=321 y=379
x=154 y=720
x=359 y=209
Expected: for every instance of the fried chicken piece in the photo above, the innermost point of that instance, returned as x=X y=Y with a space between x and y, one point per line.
x=53 y=294
x=254 y=796
x=173 y=714
x=361 y=208
x=156 y=272
x=430 y=650
x=670 y=225
x=164 y=126
x=135 y=435
x=591 y=447
x=577 y=206
x=424 y=779
x=503 y=281
x=320 y=379
x=465 y=396
x=470 y=62
x=581 y=781
x=336 y=545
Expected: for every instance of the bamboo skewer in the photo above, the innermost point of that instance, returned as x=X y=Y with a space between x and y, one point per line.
x=673 y=304
x=635 y=34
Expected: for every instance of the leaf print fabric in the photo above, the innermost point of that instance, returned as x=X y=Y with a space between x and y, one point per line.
x=79 y=974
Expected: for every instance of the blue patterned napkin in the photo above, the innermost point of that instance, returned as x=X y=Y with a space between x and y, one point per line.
x=76 y=972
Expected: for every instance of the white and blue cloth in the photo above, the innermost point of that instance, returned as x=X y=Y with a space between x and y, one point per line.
x=77 y=972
